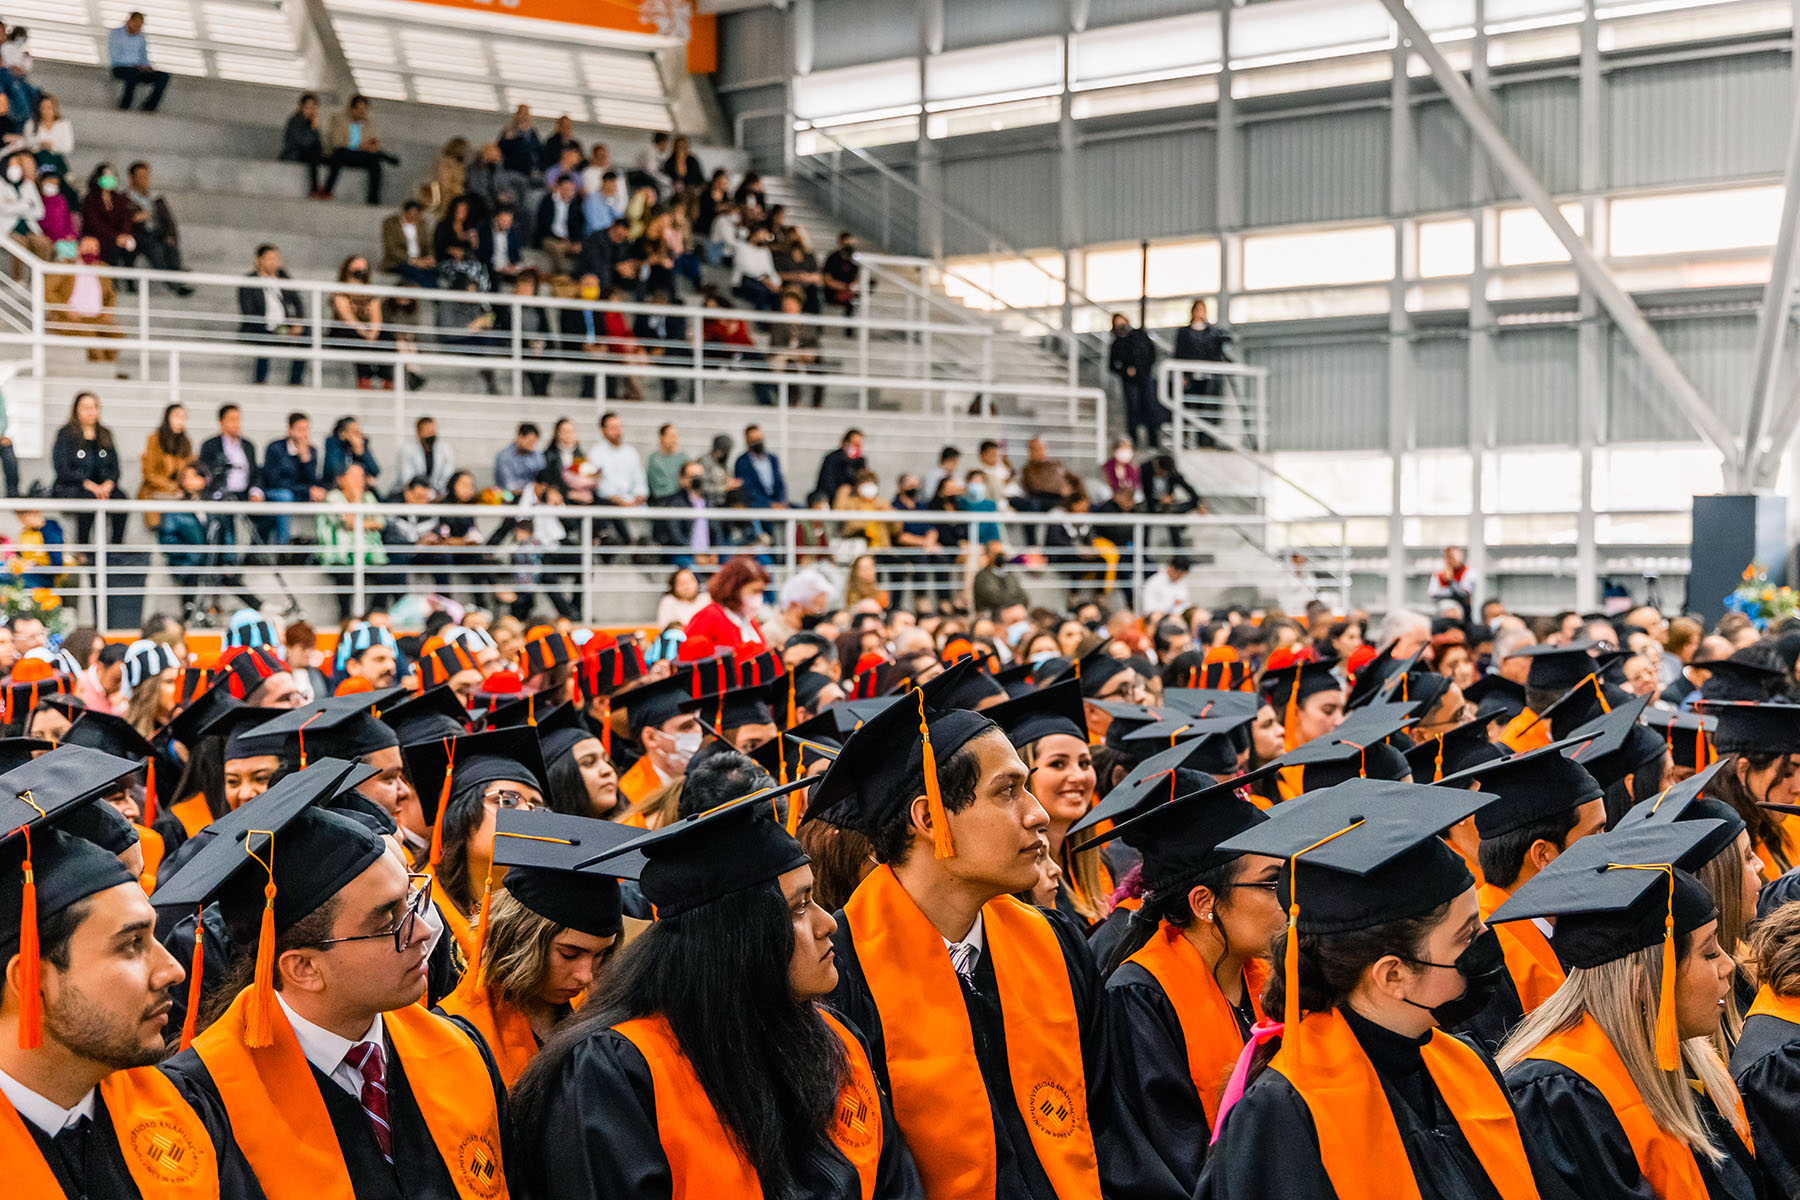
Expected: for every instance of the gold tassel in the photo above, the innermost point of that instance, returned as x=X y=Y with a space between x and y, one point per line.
x=150 y=791
x=1290 y=1008
x=437 y=826
x=941 y=844
x=481 y=928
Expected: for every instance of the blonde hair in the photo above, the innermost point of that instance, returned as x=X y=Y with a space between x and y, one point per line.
x=515 y=951
x=1082 y=874
x=141 y=709
x=661 y=807
x=1622 y=996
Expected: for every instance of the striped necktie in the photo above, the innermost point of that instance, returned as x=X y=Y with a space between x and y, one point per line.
x=367 y=1059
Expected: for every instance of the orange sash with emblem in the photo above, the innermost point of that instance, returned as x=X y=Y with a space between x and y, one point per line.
x=284 y=1129
x=505 y=1029
x=1529 y=959
x=1667 y=1162
x=938 y=1093
x=167 y=1150
x=640 y=781
x=153 y=847
x=704 y=1161
x=1209 y=1027
x=193 y=813
x=1359 y=1143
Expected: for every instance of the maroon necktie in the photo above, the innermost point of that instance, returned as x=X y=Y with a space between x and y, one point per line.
x=366 y=1058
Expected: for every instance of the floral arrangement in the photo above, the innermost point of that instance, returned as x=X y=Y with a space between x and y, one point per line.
x=1760 y=600
x=19 y=600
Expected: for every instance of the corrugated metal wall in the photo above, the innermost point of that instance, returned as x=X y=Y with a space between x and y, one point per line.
x=1534 y=387
x=1441 y=158
x=1013 y=194
x=847 y=32
x=1148 y=187
x=1325 y=395
x=1540 y=118
x=752 y=46
x=1705 y=119
x=1438 y=381
x=976 y=24
x=1714 y=352
x=1316 y=168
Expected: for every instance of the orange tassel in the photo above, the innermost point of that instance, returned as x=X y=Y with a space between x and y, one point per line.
x=606 y=726
x=531 y=709
x=487 y=895
x=196 y=970
x=791 y=706
x=259 y=1031
x=149 y=813
x=781 y=760
x=437 y=826
x=1290 y=1008
x=796 y=808
x=31 y=998
x=1289 y=715
x=1668 y=1039
x=941 y=844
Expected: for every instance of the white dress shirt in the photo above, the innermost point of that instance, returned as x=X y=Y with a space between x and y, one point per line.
x=49 y=1116
x=1164 y=595
x=325 y=1050
x=976 y=937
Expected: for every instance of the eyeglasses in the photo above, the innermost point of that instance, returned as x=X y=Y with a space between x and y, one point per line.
x=418 y=896
x=506 y=798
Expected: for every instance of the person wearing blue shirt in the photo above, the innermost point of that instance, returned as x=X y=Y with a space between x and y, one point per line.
x=129 y=53
x=976 y=498
x=347 y=445
x=764 y=484
x=291 y=472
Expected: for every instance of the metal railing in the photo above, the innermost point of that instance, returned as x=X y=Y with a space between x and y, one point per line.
x=604 y=562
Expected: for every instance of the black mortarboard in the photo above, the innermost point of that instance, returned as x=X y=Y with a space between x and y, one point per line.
x=1733 y=679
x=43 y=787
x=1207 y=702
x=714 y=854
x=1688 y=734
x=559 y=728
x=101 y=824
x=1163 y=776
x=1747 y=727
x=1422 y=690
x=103 y=731
x=732 y=709
x=542 y=851
x=1038 y=714
x=1094 y=670
x=1219 y=741
x=604 y=672
x=1180 y=838
x=1375 y=672
x=871 y=780
x=799 y=688
x=654 y=703
x=759 y=669
x=852 y=714
x=1498 y=688
x=963 y=684
x=1614 y=745
x=365 y=811
x=335 y=727
x=1016 y=679
x=1459 y=748
x=788 y=755
x=436 y=712
x=1558 y=668
x=202 y=713
x=1340 y=761
x=1297 y=681
x=1684 y=802
x=1527 y=789
x=17 y=751
x=435 y=767
x=242 y=740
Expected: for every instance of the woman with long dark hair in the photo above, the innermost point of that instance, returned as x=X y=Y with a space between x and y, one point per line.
x=703 y=1065
x=86 y=463
x=1762 y=742
x=582 y=780
x=166 y=451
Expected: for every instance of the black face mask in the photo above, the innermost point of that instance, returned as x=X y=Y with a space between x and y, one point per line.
x=1482 y=964
x=754 y=447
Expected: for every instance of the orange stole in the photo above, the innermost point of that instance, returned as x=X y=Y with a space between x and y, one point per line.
x=704 y=1161
x=1667 y=1162
x=1529 y=959
x=167 y=1150
x=154 y=849
x=937 y=1087
x=640 y=781
x=1209 y=1027
x=283 y=1128
x=1787 y=846
x=1525 y=732
x=1289 y=782
x=1359 y=1143
x=193 y=813
x=503 y=1027
x=455 y=923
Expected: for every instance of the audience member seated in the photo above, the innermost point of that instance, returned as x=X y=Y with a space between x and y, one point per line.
x=534 y=335
x=464 y=323
x=798 y=267
x=663 y=337
x=128 y=50
x=352 y=140
x=357 y=323
x=621 y=481
x=605 y=201
x=59 y=222
x=560 y=226
x=491 y=183
x=682 y=599
x=273 y=315
x=554 y=145
x=186 y=528
x=406 y=246
x=347 y=445
x=521 y=149
x=794 y=349
x=681 y=168
x=647 y=171
x=699 y=538
x=109 y=217
x=48 y=136
x=764 y=485
x=838 y=469
x=167 y=451
x=519 y=462
x=291 y=472
x=564 y=459
x=500 y=248
x=16 y=90
x=448 y=176
x=457 y=225
x=729 y=342
x=301 y=142
x=340 y=534
x=82 y=304
x=841 y=274
x=567 y=166
x=662 y=470
x=754 y=277
x=428 y=457
x=22 y=209
x=159 y=238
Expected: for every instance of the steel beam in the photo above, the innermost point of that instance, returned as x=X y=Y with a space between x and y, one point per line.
x=1619 y=306
x=1761 y=461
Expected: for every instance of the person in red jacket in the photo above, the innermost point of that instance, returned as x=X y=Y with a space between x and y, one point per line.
x=730 y=620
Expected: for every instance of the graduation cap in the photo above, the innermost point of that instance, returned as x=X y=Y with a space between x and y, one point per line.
x=542 y=655
x=713 y=673
x=714 y=854
x=1558 y=668
x=17 y=751
x=1217 y=667
x=793 y=690
x=248 y=628
x=146 y=660
x=1016 y=679
x=1287 y=688
x=877 y=679
x=337 y=726
x=1684 y=802
x=1163 y=776
x=731 y=710
x=559 y=728
x=789 y=755
x=1687 y=735
x=1421 y=690
x=21 y=699
x=963 y=684
x=445 y=661
x=1500 y=690
x=760 y=668
x=1459 y=748
x=243 y=669
x=436 y=712
x=605 y=670
x=474 y=758
x=103 y=731
x=284 y=849
x=1038 y=714
x=654 y=703
x=1211 y=702
x=870 y=781
x=1614 y=745
x=194 y=680
x=358 y=639
x=1617 y=893
x=1093 y=670
x=1733 y=679
x=243 y=737
x=1754 y=727
x=101 y=824
x=203 y=714
x=542 y=853
x=1217 y=742
x=1179 y=839
x=1527 y=789
x=1359 y=854
x=1377 y=672
x=1340 y=761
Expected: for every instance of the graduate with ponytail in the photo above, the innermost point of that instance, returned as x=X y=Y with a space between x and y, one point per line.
x=1616 y=1078
x=1359 y=1092
x=702 y=1065
x=1766 y=1060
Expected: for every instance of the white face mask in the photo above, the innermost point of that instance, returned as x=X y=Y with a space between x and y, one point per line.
x=868 y=491
x=1017 y=630
x=50 y=189
x=978 y=491
x=1123 y=456
x=15 y=173
x=686 y=746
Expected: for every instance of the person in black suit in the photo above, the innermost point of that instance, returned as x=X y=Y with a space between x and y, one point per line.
x=694 y=541
x=500 y=247
x=272 y=314
x=561 y=225
x=230 y=462
x=1202 y=341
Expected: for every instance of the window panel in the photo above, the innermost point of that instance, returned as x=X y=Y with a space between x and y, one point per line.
x=1005 y=69
x=1654 y=477
x=1185 y=268
x=1290 y=29
x=64 y=47
x=1144 y=97
x=1319 y=259
x=1525 y=239
x=1436 y=484
x=1694 y=222
x=991 y=118
x=1446 y=248
x=1115 y=275
x=848 y=90
x=1146 y=50
x=1539 y=480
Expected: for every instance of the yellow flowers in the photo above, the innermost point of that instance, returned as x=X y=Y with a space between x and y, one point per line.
x=46 y=599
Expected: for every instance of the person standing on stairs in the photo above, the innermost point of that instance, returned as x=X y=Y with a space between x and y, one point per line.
x=1133 y=359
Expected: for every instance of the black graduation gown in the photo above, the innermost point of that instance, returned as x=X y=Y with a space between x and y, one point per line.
x=599 y=1137
x=1107 y=935
x=1269 y=1150
x=90 y=1164
x=417 y=1173
x=1150 y=1055
x=221 y=955
x=1572 y=1131
x=1128 y=1165
x=1766 y=1065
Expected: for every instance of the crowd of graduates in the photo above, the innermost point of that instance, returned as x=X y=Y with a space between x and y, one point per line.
x=596 y=922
